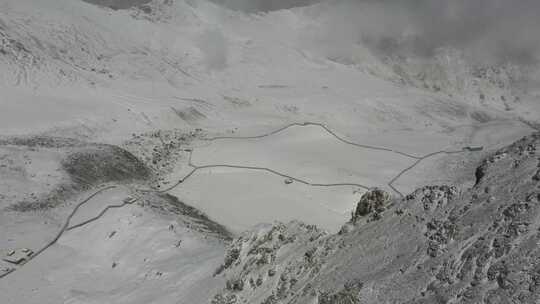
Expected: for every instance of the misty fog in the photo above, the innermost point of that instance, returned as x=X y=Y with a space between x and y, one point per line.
x=486 y=31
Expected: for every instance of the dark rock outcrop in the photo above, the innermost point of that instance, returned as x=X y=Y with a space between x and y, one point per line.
x=372 y=202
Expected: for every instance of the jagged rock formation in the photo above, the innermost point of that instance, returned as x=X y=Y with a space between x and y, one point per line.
x=372 y=202
x=438 y=245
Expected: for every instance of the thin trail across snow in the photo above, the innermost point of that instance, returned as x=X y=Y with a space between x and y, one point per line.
x=324 y=127
x=62 y=230
x=97 y=217
x=418 y=159
x=416 y=163
x=195 y=168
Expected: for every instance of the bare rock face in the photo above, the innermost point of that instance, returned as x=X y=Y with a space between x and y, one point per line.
x=271 y=262
x=372 y=202
x=440 y=244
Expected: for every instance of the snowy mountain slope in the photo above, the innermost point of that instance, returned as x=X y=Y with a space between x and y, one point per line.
x=130 y=255
x=104 y=75
x=198 y=50
x=439 y=245
x=73 y=41
x=130 y=249
x=149 y=86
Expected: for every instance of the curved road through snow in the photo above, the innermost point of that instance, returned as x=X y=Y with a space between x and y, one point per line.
x=66 y=227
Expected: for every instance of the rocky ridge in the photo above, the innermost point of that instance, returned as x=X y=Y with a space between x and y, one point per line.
x=438 y=245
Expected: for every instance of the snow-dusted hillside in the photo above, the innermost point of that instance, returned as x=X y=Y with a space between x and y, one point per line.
x=439 y=245
x=70 y=54
x=221 y=120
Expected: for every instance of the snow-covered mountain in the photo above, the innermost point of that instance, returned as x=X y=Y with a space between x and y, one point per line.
x=220 y=117
x=438 y=245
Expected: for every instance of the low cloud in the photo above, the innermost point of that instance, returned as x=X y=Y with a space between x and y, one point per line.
x=485 y=30
x=214 y=47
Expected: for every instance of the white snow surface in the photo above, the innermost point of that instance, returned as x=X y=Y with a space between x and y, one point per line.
x=76 y=70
